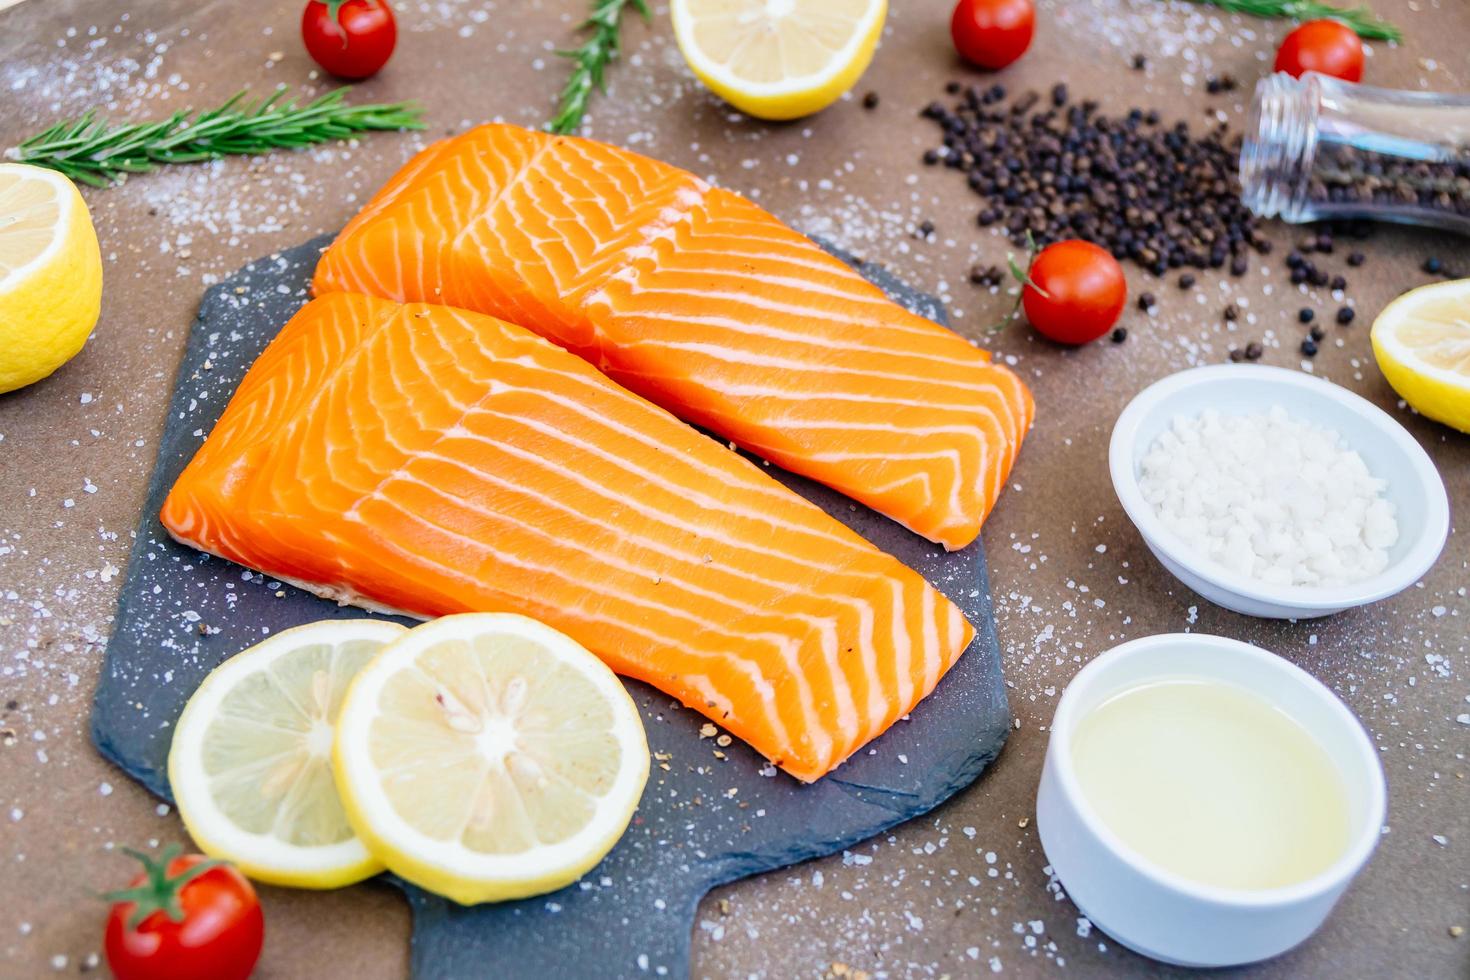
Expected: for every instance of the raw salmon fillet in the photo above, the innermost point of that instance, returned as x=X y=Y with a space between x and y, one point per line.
x=433 y=460
x=703 y=303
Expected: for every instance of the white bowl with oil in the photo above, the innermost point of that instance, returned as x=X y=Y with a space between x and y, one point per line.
x=1390 y=452
x=1240 y=847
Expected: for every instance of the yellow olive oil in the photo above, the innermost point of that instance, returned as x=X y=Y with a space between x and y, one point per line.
x=1212 y=782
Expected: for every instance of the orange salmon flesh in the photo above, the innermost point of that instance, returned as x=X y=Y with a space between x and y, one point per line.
x=433 y=460
x=703 y=303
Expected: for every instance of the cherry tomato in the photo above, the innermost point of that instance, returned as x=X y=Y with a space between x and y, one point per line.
x=184 y=918
x=993 y=33
x=1325 y=46
x=1074 y=292
x=349 y=38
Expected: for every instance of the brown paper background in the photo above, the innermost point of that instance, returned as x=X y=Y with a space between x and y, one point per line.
x=852 y=175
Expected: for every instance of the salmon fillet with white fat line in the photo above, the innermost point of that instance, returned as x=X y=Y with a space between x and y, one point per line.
x=432 y=460
x=703 y=303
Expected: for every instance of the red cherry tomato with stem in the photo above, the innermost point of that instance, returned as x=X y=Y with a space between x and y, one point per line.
x=1325 y=46
x=1074 y=292
x=993 y=33
x=351 y=39
x=184 y=918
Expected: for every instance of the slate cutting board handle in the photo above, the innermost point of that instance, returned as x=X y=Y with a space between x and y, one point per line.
x=612 y=942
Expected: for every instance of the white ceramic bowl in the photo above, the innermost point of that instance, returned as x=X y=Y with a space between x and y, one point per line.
x=1160 y=914
x=1414 y=485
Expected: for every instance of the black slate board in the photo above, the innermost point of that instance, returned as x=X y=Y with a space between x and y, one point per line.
x=702 y=822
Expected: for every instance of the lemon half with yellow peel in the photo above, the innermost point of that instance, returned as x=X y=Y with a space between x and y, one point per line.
x=50 y=273
x=251 y=760
x=485 y=756
x=778 y=59
x=1422 y=343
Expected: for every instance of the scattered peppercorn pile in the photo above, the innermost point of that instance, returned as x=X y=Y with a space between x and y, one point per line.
x=1152 y=194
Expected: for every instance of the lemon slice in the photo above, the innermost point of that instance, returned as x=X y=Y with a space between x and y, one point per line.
x=1422 y=342
x=251 y=763
x=50 y=273
x=485 y=757
x=779 y=59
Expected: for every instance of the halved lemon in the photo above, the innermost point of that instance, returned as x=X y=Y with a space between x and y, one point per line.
x=779 y=59
x=486 y=756
x=251 y=762
x=50 y=273
x=1422 y=342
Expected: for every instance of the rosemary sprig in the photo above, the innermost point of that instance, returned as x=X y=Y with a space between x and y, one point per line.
x=1360 y=19
x=99 y=153
x=591 y=60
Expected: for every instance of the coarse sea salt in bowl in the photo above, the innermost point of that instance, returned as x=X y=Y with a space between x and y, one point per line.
x=1411 y=484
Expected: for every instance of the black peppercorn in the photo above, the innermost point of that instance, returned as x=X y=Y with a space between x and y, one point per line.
x=1120 y=334
x=1309 y=347
x=870 y=101
x=1305 y=314
x=1253 y=351
x=1345 y=315
x=1049 y=168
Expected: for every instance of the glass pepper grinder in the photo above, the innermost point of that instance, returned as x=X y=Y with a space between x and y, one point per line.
x=1319 y=148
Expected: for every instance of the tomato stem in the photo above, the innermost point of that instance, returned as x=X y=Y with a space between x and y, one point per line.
x=159 y=892
x=334 y=10
x=1024 y=278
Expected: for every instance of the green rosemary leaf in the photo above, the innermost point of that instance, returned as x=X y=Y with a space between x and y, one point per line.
x=590 y=60
x=1360 y=19
x=95 y=152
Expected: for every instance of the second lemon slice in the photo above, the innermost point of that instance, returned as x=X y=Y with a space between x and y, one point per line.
x=1422 y=342
x=251 y=763
x=50 y=273
x=778 y=59
x=486 y=756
